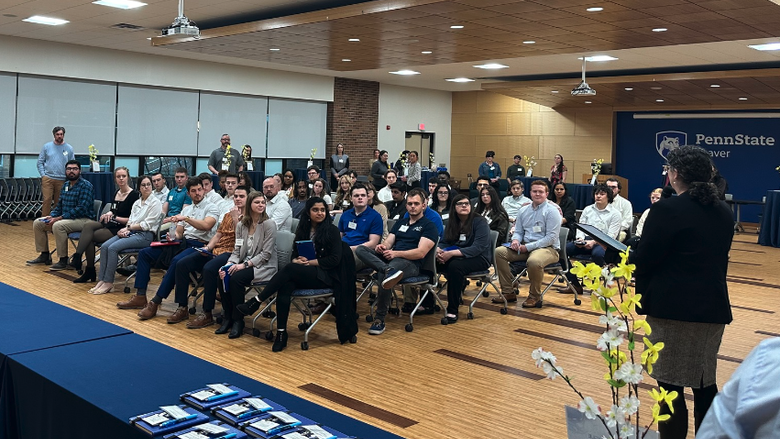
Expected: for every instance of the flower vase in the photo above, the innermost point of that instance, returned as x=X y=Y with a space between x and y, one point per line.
x=309 y=163
x=95 y=166
x=530 y=172
x=593 y=179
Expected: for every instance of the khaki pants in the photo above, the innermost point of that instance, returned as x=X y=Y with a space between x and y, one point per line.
x=50 y=189
x=535 y=261
x=60 y=229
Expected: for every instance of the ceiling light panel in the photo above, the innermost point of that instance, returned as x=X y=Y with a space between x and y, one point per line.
x=765 y=47
x=405 y=72
x=49 y=21
x=120 y=4
x=460 y=80
x=598 y=58
x=492 y=66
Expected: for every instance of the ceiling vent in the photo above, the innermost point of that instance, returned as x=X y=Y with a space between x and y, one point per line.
x=127 y=26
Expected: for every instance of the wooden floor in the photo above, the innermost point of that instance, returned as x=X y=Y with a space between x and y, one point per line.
x=473 y=379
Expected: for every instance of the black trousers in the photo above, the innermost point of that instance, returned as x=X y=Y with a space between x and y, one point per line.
x=292 y=277
x=456 y=270
x=239 y=282
x=677 y=426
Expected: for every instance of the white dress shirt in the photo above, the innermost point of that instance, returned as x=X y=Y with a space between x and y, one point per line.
x=607 y=220
x=279 y=211
x=146 y=213
x=626 y=211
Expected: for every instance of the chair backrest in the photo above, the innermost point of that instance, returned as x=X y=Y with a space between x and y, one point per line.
x=336 y=219
x=562 y=237
x=97 y=204
x=493 y=238
x=294 y=225
x=105 y=209
x=284 y=246
x=390 y=224
x=429 y=263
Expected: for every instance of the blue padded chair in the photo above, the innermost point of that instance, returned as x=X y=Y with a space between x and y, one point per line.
x=74 y=236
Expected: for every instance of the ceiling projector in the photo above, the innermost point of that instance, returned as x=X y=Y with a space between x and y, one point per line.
x=583 y=90
x=181 y=26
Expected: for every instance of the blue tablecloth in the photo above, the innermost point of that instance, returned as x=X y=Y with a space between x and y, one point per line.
x=257 y=178
x=127 y=376
x=527 y=183
x=103 y=182
x=770 y=221
x=426 y=176
x=582 y=194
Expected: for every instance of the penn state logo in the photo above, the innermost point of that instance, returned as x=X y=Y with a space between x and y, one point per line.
x=666 y=141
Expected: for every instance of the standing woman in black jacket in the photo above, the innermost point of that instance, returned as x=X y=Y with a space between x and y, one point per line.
x=329 y=270
x=681 y=274
x=560 y=195
x=466 y=248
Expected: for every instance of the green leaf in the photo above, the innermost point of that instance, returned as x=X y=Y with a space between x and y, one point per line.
x=612 y=309
x=609 y=358
x=631 y=346
x=616 y=384
x=631 y=338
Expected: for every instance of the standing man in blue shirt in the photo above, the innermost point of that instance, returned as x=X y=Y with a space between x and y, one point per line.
x=51 y=167
x=74 y=209
x=535 y=241
x=360 y=225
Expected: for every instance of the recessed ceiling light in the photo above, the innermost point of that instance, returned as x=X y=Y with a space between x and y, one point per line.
x=628 y=88
x=456 y=26
x=120 y=4
x=405 y=72
x=767 y=46
x=274 y=49
x=529 y=42
x=598 y=58
x=460 y=79
x=39 y=19
x=149 y=38
x=588 y=102
x=354 y=40
x=346 y=60
x=595 y=9
x=655 y=88
x=426 y=52
x=554 y=91
x=660 y=29
x=714 y=86
x=742 y=99
x=492 y=66
x=659 y=100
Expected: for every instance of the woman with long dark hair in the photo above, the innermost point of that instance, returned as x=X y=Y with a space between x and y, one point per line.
x=442 y=200
x=245 y=180
x=319 y=188
x=98 y=232
x=489 y=207
x=558 y=171
x=464 y=249
x=288 y=182
x=560 y=195
x=681 y=275
x=334 y=267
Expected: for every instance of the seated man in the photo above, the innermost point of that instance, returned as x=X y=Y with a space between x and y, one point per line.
x=313 y=172
x=160 y=190
x=178 y=197
x=360 y=225
x=385 y=194
x=277 y=207
x=623 y=207
x=74 y=209
x=411 y=293
x=396 y=208
x=535 y=241
x=604 y=217
x=300 y=195
x=513 y=202
x=482 y=182
x=195 y=225
x=443 y=177
x=401 y=255
x=226 y=204
x=209 y=194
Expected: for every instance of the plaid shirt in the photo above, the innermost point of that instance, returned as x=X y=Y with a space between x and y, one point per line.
x=76 y=201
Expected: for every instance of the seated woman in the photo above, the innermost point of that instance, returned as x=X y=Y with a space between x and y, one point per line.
x=320 y=189
x=98 y=232
x=560 y=195
x=376 y=204
x=245 y=180
x=489 y=207
x=138 y=232
x=288 y=182
x=253 y=260
x=333 y=268
x=343 y=201
x=464 y=249
x=442 y=201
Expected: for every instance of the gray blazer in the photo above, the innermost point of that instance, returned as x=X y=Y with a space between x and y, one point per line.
x=262 y=252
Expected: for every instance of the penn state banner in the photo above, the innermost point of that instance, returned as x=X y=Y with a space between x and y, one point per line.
x=743 y=146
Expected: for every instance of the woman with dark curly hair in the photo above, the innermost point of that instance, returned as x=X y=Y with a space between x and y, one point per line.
x=558 y=171
x=681 y=275
x=489 y=207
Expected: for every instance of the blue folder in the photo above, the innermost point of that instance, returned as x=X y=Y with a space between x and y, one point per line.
x=306 y=249
x=195 y=417
x=282 y=426
x=215 y=399
x=231 y=433
x=234 y=419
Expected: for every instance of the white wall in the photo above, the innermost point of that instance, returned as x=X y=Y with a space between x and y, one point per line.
x=22 y=55
x=404 y=108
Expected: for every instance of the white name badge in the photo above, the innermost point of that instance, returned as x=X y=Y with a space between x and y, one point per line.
x=170 y=198
x=250 y=167
x=239 y=242
x=445 y=216
x=397 y=217
x=341 y=160
x=352 y=225
x=65 y=153
x=403 y=228
x=462 y=237
x=487 y=218
x=537 y=229
x=492 y=168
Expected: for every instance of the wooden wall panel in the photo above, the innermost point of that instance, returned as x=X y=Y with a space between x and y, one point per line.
x=483 y=120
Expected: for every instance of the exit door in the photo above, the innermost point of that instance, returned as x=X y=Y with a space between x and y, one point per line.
x=423 y=144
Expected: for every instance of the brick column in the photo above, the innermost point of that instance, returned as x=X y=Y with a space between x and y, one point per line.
x=352 y=120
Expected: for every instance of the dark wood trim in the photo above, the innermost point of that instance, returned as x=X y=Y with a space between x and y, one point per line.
x=766 y=311
x=773 y=334
x=490 y=364
x=359 y=406
x=757 y=284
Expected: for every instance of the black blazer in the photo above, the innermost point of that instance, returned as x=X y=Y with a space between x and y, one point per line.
x=570 y=213
x=682 y=262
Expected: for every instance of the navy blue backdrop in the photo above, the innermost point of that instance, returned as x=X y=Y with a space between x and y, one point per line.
x=745 y=150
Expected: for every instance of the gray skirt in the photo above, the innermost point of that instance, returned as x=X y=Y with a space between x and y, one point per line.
x=690 y=354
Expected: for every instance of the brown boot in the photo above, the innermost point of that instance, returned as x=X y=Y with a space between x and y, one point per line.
x=201 y=321
x=135 y=302
x=531 y=302
x=181 y=314
x=509 y=298
x=149 y=311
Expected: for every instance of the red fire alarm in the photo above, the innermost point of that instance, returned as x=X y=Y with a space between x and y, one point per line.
x=421 y=127
x=388 y=128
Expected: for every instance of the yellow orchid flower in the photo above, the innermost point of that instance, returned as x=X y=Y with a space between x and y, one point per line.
x=624 y=270
x=663 y=395
x=578 y=269
x=592 y=284
x=594 y=271
x=621 y=357
x=643 y=325
x=607 y=291
x=657 y=416
x=630 y=303
x=596 y=303
x=650 y=355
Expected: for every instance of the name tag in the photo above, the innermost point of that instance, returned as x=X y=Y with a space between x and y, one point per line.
x=225 y=167
x=65 y=153
x=403 y=228
x=487 y=218
x=396 y=217
x=537 y=229
x=445 y=216
x=352 y=225
x=341 y=160
x=492 y=168
x=462 y=237
x=67 y=188
x=170 y=198
x=250 y=167
x=345 y=203
x=239 y=242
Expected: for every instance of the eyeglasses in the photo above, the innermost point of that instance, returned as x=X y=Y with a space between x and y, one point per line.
x=482 y=185
x=146 y=185
x=462 y=203
x=72 y=168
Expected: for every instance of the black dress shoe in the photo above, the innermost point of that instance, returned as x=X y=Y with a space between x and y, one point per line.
x=126 y=271
x=249 y=307
x=281 y=341
x=225 y=327
x=237 y=330
x=89 y=275
x=448 y=320
x=43 y=258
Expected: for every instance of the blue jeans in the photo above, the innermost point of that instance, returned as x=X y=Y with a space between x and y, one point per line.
x=146 y=259
x=109 y=252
